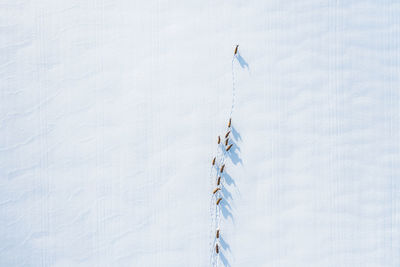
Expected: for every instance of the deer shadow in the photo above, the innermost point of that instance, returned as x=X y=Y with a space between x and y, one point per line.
x=224 y=260
x=224 y=245
x=233 y=154
x=242 y=62
x=236 y=134
x=228 y=179
x=226 y=210
x=226 y=193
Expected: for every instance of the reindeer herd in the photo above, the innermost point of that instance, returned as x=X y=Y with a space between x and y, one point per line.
x=217 y=191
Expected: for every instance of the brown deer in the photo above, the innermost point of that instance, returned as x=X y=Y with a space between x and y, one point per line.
x=229 y=123
x=229 y=147
x=216 y=190
x=219 y=200
x=222 y=168
x=219 y=180
x=216 y=248
x=219 y=139
x=236 y=49
x=227 y=134
x=217 y=233
x=226 y=141
x=213 y=162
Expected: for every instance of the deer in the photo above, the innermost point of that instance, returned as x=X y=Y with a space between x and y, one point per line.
x=222 y=168
x=227 y=134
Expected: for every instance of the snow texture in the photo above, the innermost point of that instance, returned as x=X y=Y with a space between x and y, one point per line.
x=110 y=110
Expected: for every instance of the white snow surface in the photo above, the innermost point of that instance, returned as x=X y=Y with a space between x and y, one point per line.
x=110 y=110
